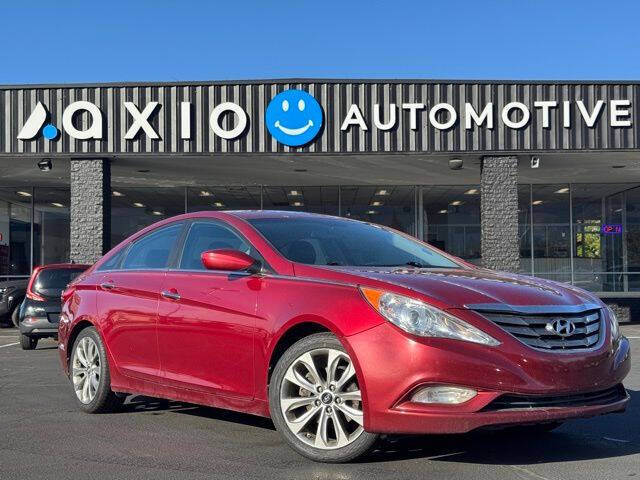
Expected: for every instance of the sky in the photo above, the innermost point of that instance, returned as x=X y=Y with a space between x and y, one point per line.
x=74 y=41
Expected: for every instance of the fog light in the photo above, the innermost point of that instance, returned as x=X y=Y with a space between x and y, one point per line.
x=443 y=394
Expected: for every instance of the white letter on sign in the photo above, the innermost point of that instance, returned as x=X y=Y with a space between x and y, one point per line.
x=214 y=120
x=617 y=115
x=486 y=115
x=433 y=116
x=354 y=117
x=141 y=120
x=526 y=114
x=94 y=131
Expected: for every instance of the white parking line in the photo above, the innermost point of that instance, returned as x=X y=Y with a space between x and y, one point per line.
x=9 y=345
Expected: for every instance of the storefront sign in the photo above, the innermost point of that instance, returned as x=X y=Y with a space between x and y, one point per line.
x=330 y=117
x=306 y=122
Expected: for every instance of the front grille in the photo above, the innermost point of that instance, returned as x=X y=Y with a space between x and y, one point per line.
x=537 y=332
x=603 y=397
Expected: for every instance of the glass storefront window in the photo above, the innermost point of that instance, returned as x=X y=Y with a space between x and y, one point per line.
x=451 y=219
x=135 y=208
x=15 y=231
x=223 y=198
x=51 y=224
x=551 y=232
x=304 y=199
x=393 y=206
x=524 y=229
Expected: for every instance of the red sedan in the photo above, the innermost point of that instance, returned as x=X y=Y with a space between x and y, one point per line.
x=338 y=330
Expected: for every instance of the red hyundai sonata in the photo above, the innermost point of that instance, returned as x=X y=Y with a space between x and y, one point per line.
x=338 y=330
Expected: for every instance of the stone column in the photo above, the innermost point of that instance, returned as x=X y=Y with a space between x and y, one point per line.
x=90 y=209
x=499 y=213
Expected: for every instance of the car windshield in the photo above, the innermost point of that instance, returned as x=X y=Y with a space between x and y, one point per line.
x=52 y=281
x=341 y=242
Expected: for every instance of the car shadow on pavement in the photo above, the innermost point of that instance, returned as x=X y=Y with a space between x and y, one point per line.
x=141 y=403
x=608 y=436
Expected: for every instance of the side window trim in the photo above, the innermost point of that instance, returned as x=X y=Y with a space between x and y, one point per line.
x=182 y=243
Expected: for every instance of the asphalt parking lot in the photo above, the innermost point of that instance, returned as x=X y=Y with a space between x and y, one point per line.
x=43 y=435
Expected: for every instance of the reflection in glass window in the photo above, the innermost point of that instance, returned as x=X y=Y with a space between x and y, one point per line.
x=15 y=231
x=223 y=198
x=153 y=250
x=132 y=209
x=208 y=236
x=524 y=229
x=322 y=200
x=551 y=232
x=392 y=206
x=451 y=219
x=51 y=225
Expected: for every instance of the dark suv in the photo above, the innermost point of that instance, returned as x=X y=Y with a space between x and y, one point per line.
x=11 y=295
x=40 y=311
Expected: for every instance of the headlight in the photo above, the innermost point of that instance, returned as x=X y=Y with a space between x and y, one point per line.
x=615 y=327
x=418 y=318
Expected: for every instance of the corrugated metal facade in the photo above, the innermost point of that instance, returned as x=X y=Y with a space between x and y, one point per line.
x=17 y=103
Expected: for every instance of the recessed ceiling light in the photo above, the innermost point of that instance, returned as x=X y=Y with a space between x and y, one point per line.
x=563 y=190
x=376 y=204
x=23 y=194
x=294 y=193
x=205 y=193
x=443 y=211
x=371 y=212
x=117 y=194
x=157 y=213
x=218 y=204
x=56 y=204
x=537 y=202
x=138 y=204
x=297 y=204
x=471 y=191
x=382 y=192
x=456 y=203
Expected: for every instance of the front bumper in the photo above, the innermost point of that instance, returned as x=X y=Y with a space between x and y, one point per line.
x=38 y=327
x=393 y=365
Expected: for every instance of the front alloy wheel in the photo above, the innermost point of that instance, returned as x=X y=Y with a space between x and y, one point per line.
x=319 y=403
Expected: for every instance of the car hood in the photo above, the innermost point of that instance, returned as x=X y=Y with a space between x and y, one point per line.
x=459 y=288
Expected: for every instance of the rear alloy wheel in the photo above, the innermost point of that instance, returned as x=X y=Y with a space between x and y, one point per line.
x=316 y=402
x=90 y=376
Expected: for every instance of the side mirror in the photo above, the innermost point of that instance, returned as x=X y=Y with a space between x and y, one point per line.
x=227 y=259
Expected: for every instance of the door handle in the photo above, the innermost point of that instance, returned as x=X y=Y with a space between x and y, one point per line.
x=170 y=295
x=107 y=286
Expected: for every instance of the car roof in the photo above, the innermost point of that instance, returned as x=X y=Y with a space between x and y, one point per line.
x=254 y=214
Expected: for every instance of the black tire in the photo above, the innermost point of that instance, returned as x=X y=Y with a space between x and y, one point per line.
x=359 y=446
x=105 y=399
x=28 y=343
x=15 y=316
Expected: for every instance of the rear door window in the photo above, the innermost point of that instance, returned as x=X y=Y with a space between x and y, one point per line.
x=153 y=251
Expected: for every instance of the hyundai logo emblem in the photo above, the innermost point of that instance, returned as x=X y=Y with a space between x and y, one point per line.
x=561 y=327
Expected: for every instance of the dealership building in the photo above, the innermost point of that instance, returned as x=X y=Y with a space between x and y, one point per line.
x=541 y=178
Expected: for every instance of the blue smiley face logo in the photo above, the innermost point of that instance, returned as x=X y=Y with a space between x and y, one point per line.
x=294 y=117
